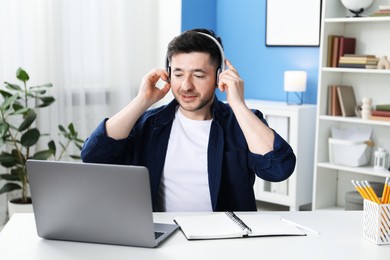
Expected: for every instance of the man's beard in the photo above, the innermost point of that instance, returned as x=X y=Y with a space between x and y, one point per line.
x=188 y=107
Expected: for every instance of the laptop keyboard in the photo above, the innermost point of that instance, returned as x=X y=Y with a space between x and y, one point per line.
x=158 y=234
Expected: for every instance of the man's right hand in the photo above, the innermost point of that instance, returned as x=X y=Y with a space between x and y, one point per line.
x=120 y=124
x=149 y=92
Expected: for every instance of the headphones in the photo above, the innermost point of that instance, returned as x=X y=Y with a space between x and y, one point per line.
x=221 y=68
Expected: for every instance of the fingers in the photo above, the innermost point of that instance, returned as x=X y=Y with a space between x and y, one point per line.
x=156 y=74
x=151 y=89
x=229 y=77
x=231 y=67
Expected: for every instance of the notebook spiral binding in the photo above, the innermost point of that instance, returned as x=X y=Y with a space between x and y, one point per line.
x=238 y=221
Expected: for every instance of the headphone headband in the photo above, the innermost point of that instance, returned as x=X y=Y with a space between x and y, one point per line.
x=222 y=65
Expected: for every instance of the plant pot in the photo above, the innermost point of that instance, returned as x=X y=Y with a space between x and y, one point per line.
x=16 y=206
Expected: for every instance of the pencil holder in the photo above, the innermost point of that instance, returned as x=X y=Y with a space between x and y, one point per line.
x=376 y=222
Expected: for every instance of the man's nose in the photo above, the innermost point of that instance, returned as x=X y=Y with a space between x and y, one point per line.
x=187 y=83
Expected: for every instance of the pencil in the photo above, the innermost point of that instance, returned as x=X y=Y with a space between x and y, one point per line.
x=385 y=191
x=371 y=192
x=387 y=187
x=361 y=191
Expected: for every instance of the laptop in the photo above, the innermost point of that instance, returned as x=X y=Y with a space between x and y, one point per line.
x=97 y=203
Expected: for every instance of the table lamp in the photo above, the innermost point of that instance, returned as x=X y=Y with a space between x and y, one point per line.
x=295 y=81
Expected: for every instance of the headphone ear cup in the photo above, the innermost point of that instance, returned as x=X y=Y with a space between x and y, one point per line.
x=219 y=70
x=169 y=74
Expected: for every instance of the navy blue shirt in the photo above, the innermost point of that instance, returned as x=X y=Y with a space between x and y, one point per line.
x=231 y=166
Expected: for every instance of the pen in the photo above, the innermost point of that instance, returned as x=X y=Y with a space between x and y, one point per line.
x=301 y=226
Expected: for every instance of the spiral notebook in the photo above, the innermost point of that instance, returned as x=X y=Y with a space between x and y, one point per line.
x=231 y=225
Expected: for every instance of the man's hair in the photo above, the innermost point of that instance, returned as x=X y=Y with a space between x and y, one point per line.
x=192 y=41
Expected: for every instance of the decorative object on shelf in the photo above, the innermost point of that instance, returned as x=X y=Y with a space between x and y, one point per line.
x=350 y=146
x=295 y=81
x=366 y=108
x=381 y=159
x=357 y=6
x=383 y=63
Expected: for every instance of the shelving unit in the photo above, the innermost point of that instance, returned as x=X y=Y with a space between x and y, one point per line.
x=372 y=37
x=295 y=123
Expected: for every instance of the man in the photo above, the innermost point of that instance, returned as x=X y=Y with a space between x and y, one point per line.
x=202 y=154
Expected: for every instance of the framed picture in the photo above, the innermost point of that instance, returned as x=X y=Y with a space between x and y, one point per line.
x=293 y=23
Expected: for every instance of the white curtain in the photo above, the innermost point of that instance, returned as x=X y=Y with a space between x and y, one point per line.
x=95 y=52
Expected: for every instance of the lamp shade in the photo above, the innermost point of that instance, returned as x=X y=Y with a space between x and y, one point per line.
x=295 y=81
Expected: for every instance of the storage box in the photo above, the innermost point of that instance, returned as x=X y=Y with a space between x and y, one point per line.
x=376 y=222
x=349 y=153
x=354 y=201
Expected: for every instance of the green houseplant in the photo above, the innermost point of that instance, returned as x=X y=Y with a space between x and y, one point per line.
x=19 y=135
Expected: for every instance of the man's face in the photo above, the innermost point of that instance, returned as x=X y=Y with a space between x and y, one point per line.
x=193 y=83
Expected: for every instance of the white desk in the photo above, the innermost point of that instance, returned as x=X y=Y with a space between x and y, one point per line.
x=340 y=238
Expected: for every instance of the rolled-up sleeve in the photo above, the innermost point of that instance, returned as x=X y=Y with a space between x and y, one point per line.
x=100 y=148
x=277 y=165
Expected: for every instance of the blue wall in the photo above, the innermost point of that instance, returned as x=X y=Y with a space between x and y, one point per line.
x=241 y=25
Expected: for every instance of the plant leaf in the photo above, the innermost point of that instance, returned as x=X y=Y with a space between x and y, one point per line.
x=30 y=118
x=30 y=137
x=19 y=157
x=22 y=75
x=46 y=101
x=20 y=111
x=12 y=86
x=40 y=87
x=3 y=129
x=52 y=146
x=10 y=186
x=9 y=177
x=8 y=160
x=71 y=129
x=19 y=171
x=61 y=128
x=42 y=155
x=8 y=101
x=5 y=94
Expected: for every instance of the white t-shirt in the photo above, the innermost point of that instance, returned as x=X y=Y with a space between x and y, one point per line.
x=184 y=183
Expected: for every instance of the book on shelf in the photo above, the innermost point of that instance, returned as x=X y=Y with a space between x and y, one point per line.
x=335 y=51
x=339 y=46
x=357 y=66
x=359 y=55
x=381 y=12
x=384 y=7
x=383 y=107
x=380 y=118
x=347 y=46
x=334 y=108
x=347 y=100
x=360 y=60
x=330 y=50
x=380 y=113
x=235 y=225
